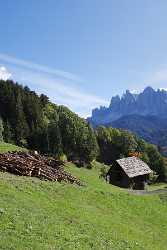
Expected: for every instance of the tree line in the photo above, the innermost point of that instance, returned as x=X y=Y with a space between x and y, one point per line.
x=32 y=121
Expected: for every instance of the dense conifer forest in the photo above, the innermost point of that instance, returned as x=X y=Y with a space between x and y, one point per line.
x=32 y=121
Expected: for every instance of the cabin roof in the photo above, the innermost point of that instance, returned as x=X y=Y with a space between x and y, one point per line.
x=133 y=166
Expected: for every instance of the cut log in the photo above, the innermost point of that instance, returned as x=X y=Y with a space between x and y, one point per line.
x=35 y=165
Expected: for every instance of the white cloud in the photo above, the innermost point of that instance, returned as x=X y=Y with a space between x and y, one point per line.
x=38 y=67
x=4 y=73
x=61 y=93
x=60 y=86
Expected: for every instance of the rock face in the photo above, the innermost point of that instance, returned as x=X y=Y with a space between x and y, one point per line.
x=147 y=103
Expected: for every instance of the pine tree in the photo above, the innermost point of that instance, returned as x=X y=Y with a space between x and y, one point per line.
x=21 y=127
x=54 y=138
x=8 y=132
x=1 y=130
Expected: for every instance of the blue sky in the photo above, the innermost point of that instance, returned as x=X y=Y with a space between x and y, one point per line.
x=82 y=52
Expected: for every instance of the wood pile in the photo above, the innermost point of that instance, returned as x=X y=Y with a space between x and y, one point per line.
x=26 y=164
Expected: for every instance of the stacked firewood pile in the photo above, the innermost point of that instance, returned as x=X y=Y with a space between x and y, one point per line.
x=21 y=163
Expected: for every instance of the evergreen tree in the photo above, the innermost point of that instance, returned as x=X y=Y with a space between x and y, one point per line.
x=44 y=100
x=156 y=161
x=54 y=138
x=1 y=130
x=21 y=126
x=8 y=133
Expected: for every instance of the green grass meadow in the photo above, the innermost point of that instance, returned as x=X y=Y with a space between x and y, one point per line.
x=40 y=215
x=6 y=147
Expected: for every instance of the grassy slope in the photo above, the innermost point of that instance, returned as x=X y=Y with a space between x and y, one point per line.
x=156 y=186
x=5 y=147
x=42 y=215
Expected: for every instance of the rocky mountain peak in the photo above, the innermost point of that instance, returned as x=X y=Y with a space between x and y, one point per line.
x=148 y=90
x=148 y=102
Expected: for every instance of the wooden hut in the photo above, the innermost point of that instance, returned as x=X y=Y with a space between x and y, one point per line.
x=130 y=172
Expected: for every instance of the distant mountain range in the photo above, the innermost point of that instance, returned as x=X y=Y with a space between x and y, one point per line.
x=144 y=114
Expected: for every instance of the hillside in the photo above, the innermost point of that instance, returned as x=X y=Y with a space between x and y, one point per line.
x=45 y=215
x=151 y=128
x=7 y=147
x=34 y=122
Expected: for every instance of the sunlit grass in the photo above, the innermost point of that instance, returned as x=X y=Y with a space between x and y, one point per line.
x=6 y=147
x=43 y=215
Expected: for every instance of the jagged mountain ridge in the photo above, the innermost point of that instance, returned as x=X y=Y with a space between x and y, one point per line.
x=150 y=102
x=144 y=114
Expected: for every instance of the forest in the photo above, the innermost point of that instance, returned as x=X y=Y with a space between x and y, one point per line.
x=32 y=121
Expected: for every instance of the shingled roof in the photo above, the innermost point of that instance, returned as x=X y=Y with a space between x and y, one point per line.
x=133 y=166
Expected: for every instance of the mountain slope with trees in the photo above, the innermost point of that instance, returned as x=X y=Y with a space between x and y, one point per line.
x=151 y=128
x=32 y=121
x=115 y=144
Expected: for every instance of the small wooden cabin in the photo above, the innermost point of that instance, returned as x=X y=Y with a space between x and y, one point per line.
x=130 y=172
